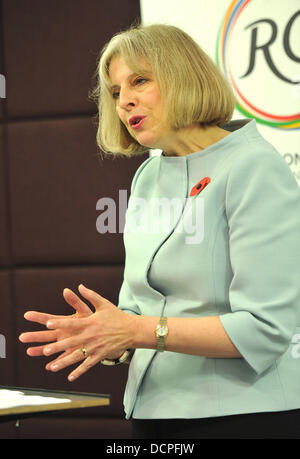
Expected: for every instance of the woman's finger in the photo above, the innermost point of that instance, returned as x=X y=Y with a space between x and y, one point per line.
x=88 y=363
x=60 y=357
x=93 y=297
x=35 y=351
x=66 y=360
x=72 y=324
x=39 y=317
x=38 y=337
x=63 y=345
x=73 y=300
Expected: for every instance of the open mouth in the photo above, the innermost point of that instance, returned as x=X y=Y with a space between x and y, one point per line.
x=136 y=121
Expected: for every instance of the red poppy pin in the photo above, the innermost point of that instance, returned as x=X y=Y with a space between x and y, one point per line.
x=200 y=186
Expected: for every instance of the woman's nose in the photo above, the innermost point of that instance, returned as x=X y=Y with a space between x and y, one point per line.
x=126 y=99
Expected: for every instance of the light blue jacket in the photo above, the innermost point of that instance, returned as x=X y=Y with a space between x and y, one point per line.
x=242 y=264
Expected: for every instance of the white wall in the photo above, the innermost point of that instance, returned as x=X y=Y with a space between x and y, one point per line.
x=202 y=19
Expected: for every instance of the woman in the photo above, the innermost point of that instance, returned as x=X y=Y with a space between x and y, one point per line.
x=207 y=312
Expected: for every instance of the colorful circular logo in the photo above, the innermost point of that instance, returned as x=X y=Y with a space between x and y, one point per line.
x=258 y=50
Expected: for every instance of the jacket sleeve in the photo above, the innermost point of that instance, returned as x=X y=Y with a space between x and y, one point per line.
x=263 y=211
x=126 y=301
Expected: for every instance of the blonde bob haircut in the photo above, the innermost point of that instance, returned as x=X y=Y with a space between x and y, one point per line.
x=192 y=88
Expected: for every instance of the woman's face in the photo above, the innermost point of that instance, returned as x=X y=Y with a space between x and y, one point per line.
x=138 y=104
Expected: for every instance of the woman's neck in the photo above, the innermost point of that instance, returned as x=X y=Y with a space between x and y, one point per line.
x=191 y=139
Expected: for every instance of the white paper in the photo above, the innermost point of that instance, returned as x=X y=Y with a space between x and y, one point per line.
x=13 y=398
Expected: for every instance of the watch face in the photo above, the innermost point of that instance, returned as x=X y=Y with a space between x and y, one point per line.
x=162 y=331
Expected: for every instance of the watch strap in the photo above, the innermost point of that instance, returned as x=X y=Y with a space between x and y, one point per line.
x=161 y=339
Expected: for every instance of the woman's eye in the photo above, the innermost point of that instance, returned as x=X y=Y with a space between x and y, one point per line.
x=140 y=80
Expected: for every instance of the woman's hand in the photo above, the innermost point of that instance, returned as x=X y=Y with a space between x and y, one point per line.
x=106 y=333
x=82 y=310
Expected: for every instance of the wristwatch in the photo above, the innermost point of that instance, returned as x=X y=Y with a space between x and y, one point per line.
x=161 y=332
x=121 y=359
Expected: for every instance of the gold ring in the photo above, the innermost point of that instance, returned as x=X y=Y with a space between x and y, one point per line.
x=84 y=351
